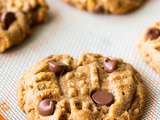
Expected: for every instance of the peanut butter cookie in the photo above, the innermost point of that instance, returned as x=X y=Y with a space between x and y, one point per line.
x=17 y=18
x=111 y=6
x=90 y=88
x=149 y=46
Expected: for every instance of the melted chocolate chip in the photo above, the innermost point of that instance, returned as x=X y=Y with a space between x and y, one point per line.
x=46 y=107
x=102 y=97
x=58 y=68
x=110 y=65
x=8 y=18
x=153 y=33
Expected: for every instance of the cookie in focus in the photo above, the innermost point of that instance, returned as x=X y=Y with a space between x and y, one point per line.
x=93 y=87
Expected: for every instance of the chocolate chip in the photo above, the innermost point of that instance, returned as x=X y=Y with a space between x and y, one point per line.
x=102 y=97
x=46 y=107
x=8 y=18
x=110 y=65
x=153 y=33
x=99 y=9
x=58 y=68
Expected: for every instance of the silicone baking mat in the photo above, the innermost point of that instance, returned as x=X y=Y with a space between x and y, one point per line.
x=71 y=31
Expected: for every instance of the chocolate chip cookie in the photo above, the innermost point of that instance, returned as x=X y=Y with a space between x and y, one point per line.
x=35 y=10
x=90 y=88
x=149 y=46
x=111 y=6
x=17 y=18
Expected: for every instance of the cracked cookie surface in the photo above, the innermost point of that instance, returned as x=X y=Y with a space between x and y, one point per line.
x=90 y=88
x=149 y=46
x=17 y=18
x=111 y=6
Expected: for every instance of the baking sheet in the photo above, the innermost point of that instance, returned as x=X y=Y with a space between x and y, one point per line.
x=74 y=32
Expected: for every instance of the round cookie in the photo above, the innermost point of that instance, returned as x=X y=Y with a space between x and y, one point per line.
x=111 y=6
x=149 y=46
x=14 y=29
x=36 y=10
x=90 y=88
x=17 y=18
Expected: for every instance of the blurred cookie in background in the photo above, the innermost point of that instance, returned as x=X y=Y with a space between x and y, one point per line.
x=17 y=17
x=106 y=6
x=149 y=46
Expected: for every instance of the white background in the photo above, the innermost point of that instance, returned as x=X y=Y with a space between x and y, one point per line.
x=74 y=32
